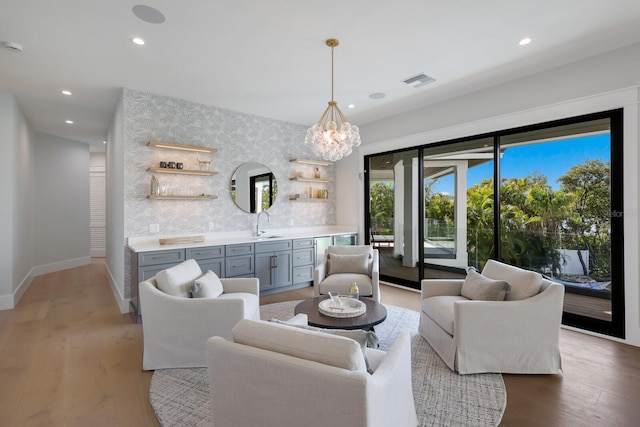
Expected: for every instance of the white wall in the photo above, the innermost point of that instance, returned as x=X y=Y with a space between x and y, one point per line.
x=61 y=204
x=238 y=137
x=44 y=216
x=600 y=83
x=115 y=206
x=16 y=213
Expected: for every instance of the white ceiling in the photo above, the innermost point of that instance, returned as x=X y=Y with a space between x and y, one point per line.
x=269 y=58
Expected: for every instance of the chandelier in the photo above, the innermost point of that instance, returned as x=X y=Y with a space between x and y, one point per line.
x=333 y=137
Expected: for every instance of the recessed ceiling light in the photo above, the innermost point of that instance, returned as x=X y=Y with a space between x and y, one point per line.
x=524 y=41
x=351 y=106
x=148 y=14
x=377 y=95
x=66 y=92
x=13 y=47
x=104 y=142
x=138 y=41
x=69 y=122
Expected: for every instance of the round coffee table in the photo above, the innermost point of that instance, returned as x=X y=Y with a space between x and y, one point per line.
x=376 y=313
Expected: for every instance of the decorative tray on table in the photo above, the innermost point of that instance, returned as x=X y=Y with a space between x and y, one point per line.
x=342 y=307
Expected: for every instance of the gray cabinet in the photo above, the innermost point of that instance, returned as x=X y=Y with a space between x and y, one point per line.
x=239 y=260
x=209 y=258
x=273 y=264
x=145 y=265
x=303 y=260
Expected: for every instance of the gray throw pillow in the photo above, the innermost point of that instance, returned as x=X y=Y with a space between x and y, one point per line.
x=358 y=264
x=207 y=286
x=478 y=287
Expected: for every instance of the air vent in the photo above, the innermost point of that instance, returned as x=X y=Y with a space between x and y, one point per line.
x=419 y=80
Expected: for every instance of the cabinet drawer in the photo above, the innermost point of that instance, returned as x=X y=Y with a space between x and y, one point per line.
x=302 y=257
x=303 y=243
x=161 y=257
x=303 y=274
x=282 y=245
x=216 y=265
x=239 y=265
x=205 y=253
x=239 y=249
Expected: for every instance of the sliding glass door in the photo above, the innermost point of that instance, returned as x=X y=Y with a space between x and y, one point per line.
x=546 y=197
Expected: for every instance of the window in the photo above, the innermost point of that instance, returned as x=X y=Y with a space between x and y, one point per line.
x=546 y=197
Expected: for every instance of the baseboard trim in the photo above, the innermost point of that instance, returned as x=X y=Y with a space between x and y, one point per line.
x=61 y=265
x=8 y=302
x=123 y=303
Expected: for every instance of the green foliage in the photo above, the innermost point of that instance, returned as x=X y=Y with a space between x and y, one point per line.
x=381 y=207
x=535 y=219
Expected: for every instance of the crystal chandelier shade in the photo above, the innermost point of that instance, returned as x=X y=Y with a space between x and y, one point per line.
x=333 y=137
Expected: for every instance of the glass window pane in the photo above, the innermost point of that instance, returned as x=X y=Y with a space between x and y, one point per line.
x=555 y=210
x=458 y=223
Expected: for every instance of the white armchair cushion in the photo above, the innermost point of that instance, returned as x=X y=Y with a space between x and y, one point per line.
x=524 y=283
x=479 y=287
x=339 y=264
x=207 y=286
x=319 y=347
x=177 y=280
x=336 y=283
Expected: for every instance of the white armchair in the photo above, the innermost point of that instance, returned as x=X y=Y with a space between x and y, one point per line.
x=342 y=265
x=519 y=335
x=176 y=328
x=276 y=375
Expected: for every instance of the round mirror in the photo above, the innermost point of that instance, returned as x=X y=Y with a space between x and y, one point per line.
x=253 y=187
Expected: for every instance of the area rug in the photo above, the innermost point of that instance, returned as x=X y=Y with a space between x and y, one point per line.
x=180 y=397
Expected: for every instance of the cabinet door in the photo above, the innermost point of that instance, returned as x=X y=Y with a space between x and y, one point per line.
x=239 y=266
x=174 y=256
x=303 y=257
x=207 y=252
x=264 y=265
x=303 y=274
x=216 y=265
x=282 y=269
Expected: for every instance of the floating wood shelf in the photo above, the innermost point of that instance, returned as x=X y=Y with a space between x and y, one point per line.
x=314 y=199
x=312 y=162
x=182 y=171
x=297 y=178
x=183 y=147
x=205 y=197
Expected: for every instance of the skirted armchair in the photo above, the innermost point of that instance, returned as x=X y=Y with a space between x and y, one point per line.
x=176 y=326
x=274 y=375
x=342 y=265
x=517 y=331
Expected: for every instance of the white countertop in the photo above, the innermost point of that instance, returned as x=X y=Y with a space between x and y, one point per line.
x=152 y=243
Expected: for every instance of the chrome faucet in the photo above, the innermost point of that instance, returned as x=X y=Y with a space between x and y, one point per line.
x=258 y=231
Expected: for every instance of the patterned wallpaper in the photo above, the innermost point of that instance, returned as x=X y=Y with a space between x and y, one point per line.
x=239 y=138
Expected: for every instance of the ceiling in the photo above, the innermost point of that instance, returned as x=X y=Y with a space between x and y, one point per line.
x=269 y=58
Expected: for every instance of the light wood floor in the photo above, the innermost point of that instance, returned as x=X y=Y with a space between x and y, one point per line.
x=69 y=358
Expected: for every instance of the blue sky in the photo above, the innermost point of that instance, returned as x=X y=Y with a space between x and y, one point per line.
x=552 y=159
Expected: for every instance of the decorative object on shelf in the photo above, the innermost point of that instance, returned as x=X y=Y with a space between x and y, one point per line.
x=333 y=137
x=166 y=192
x=203 y=164
x=316 y=172
x=155 y=186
